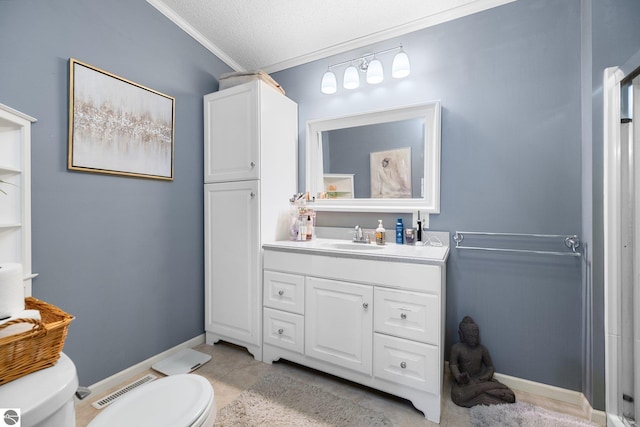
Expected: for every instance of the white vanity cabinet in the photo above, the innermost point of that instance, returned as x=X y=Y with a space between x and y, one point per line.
x=250 y=172
x=377 y=321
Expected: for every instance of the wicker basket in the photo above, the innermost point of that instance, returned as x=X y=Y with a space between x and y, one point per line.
x=36 y=348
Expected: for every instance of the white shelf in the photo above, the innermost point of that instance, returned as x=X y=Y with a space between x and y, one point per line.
x=338 y=185
x=15 y=205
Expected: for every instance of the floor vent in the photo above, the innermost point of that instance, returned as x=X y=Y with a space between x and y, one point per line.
x=107 y=400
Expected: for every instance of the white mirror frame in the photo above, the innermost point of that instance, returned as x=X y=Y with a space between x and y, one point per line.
x=429 y=203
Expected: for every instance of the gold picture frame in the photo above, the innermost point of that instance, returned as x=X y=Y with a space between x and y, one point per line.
x=117 y=126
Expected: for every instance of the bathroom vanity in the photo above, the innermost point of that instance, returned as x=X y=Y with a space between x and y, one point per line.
x=371 y=314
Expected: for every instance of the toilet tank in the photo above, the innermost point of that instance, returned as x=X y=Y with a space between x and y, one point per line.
x=44 y=397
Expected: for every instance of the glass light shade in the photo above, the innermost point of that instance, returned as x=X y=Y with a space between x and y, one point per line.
x=400 y=67
x=375 y=74
x=351 y=78
x=329 y=83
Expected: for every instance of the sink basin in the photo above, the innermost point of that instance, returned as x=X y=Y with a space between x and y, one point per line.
x=347 y=246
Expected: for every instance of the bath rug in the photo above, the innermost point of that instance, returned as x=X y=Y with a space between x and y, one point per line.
x=277 y=400
x=521 y=414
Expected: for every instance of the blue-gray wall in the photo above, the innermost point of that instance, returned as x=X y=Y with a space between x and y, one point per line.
x=510 y=81
x=124 y=255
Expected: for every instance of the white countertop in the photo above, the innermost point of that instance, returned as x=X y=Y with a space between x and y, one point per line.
x=418 y=253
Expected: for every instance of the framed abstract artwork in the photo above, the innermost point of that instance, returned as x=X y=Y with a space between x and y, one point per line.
x=391 y=174
x=117 y=126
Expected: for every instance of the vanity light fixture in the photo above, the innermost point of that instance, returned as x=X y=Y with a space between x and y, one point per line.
x=369 y=64
x=401 y=67
x=375 y=73
x=329 y=83
x=351 y=78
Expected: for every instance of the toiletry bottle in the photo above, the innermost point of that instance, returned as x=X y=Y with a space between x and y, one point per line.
x=309 y=228
x=380 y=233
x=399 y=231
x=419 y=229
x=302 y=228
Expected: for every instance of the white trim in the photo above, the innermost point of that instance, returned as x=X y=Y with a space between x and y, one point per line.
x=126 y=374
x=197 y=35
x=612 y=234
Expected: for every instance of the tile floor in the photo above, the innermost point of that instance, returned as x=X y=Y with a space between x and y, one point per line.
x=232 y=369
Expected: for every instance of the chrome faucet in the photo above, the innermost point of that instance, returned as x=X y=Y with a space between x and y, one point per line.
x=359 y=236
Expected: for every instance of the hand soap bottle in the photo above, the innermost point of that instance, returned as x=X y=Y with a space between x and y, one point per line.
x=399 y=231
x=380 y=234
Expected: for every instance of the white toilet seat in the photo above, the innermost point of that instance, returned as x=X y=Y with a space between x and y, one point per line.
x=184 y=400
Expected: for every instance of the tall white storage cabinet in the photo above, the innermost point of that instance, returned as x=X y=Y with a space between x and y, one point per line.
x=250 y=172
x=15 y=205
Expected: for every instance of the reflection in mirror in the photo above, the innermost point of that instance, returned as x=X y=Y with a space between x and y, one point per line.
x=390 y=167
x=381 y=161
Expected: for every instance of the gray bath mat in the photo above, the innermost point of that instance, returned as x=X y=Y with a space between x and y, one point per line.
x=277 y=400
x=522 y=415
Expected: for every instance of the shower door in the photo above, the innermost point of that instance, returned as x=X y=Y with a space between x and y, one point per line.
x=622 y=247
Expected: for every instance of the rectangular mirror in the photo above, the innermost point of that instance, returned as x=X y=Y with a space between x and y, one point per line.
x=379 y=161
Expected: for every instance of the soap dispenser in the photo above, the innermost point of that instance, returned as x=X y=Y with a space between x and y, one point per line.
x=380 y=234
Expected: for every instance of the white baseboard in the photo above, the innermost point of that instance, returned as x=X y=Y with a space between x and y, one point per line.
x=139 y=368
x=551 y=392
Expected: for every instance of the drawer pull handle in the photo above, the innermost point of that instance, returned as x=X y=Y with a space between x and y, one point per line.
x=280 y=292
x=403 y=316
x=403 y=365
x=365 y=305
x=281 y=331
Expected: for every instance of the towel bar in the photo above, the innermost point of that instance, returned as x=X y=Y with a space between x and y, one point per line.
x=571 y=241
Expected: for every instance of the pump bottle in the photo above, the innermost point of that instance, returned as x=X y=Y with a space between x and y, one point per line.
x=380 y=234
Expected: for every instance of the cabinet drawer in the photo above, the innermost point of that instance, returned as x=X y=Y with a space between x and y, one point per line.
x=411 y=315
x=284 y=291
x=406 y=362
x=284 y=330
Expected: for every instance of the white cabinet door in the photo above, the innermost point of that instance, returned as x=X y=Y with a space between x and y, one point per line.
x=339 y=323
x=231 y=134
x=232 y=261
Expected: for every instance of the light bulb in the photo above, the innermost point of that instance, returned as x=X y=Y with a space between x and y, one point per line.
x=400 y=67
x=329 y=83
x=351 y=78
x=375 y=74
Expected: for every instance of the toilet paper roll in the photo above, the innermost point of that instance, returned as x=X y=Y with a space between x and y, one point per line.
x=11 y=289
x=17 y=328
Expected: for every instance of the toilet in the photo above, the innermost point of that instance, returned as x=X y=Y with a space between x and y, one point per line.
x=44 y=397
x=182 y=400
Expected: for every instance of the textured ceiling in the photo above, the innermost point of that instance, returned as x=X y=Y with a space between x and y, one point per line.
x=276 y=34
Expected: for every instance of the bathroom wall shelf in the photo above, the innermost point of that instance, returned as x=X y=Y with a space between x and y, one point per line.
x=15 y=183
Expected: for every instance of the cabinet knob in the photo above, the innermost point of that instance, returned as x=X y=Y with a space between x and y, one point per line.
x=365 y=305
x=252 y=164
x=281 y=331
x=403 y=365
x=280 y=292
x=403 y=316
x=252 y=194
